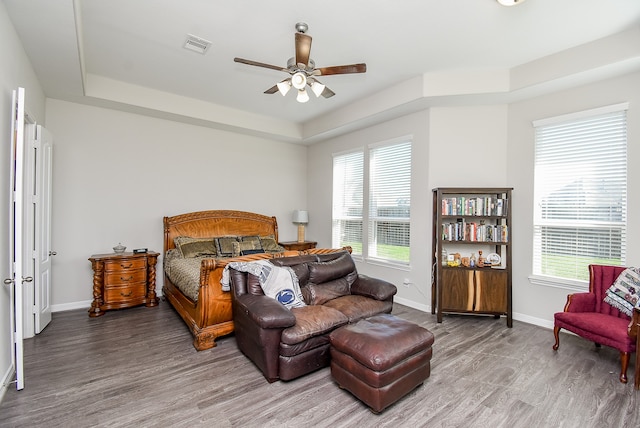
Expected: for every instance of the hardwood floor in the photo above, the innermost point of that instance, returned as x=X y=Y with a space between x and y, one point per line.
x=137 y=368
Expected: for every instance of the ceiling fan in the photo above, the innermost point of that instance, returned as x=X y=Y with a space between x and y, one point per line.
x=303 y=71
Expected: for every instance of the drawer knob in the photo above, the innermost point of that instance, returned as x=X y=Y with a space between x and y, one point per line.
x=126 y=266
x=126 y=295
x=126 y=279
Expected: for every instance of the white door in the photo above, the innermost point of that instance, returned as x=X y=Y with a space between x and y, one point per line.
x=43 y=252
x=16 y=235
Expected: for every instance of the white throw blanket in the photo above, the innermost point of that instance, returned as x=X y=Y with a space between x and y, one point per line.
x=277 y=282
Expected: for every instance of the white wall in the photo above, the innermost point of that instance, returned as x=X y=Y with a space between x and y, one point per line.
x=116 y=175
x=452 y=146
x=540 y=302
x=15 y=70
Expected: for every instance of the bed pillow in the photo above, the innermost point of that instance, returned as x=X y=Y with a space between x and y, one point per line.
x=270 y=245
x=244 y=248
x=189 y=247
x=224 y=245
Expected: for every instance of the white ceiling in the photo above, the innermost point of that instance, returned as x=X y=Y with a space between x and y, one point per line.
x=129 y=54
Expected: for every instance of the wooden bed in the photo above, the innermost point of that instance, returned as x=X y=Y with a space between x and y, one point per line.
x=210 y=317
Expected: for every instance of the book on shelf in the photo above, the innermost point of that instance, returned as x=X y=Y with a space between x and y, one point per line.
x=478 y=206
x=462 y=230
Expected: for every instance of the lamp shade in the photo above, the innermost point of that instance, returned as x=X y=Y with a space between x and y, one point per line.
x=300 y=216
x=302 y=97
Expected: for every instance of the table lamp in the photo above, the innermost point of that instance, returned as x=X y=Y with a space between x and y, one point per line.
x=300 y=217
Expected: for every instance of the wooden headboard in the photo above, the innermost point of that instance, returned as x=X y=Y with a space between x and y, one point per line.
x=214 y=223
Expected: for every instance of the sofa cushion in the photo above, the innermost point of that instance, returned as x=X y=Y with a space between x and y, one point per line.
x=359 y=307
x=302 y=273
x=343 y=266
x=312 y=321
x=319 y=294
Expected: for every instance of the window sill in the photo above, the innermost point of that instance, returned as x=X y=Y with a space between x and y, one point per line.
x=566 y=284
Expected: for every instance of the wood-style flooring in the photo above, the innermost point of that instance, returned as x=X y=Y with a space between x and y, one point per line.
x=137 y=368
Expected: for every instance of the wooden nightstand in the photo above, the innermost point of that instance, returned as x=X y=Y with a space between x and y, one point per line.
x=122 y=281
x=298 y=246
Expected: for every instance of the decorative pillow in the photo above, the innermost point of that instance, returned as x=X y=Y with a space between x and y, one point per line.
x=224 y=245
x=270 y=245
x=250 y=243
x=189 y=247
x=624 y=294
x=245 y=248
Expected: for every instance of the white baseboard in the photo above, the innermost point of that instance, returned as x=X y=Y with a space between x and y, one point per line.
x=412 y=304
x=533 y=320
x=516 y=316
x=86 y=304
x=7 y=380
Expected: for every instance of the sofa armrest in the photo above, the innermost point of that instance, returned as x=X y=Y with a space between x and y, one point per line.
x=265 y=311
x=580 y=302
x=373 y=287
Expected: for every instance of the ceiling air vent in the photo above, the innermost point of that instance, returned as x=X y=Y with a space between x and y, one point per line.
x=197 y=44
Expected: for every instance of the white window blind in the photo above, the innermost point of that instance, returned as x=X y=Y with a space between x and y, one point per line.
x=389 y=202
x=580 y=193
x=348 y=179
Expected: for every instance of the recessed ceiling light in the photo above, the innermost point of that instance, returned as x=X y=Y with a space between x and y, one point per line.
x=197 y=44
x=510 y=2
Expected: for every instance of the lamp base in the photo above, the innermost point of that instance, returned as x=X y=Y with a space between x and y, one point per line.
x=301 y=233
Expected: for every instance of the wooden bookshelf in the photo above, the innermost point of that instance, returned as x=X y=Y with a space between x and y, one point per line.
x=472 y=252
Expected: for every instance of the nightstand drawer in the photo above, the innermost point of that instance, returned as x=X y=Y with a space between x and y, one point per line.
x=125 y=277
x=122 y=294
x=124 y=265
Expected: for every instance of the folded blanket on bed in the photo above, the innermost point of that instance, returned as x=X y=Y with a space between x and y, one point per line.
x=279 y=283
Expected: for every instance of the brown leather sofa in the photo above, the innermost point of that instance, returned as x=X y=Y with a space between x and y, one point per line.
x=288 y=343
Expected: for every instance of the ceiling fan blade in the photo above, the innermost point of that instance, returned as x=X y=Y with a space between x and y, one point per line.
x=260 y=64
x=340 y=69
x=303 y=48
x=272 y=90
x=327 y=93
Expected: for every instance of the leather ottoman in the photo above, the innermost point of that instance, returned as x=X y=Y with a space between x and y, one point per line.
x=381 y=359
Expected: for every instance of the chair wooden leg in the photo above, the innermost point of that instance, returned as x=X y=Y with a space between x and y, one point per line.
x=624 y=363
x=556 y=334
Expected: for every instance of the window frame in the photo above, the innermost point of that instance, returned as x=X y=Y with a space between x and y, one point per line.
x=538 y=278
x=366 y=220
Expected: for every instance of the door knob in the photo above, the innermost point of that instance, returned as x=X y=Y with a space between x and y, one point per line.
x=8 y=281
x=52 y=253
x=27 y=279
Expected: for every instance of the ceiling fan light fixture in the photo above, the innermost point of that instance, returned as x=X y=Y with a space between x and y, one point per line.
x=284 y=87
x=510 y=2
x=302 y=97
x=299 y=80
x=317 y=88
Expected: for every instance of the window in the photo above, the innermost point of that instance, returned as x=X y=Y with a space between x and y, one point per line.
x=390 y=202
x=348 y=176
x=381 y=229
x=580 y=194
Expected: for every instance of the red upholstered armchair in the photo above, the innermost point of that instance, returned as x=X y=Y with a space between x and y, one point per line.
x=588 y=316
